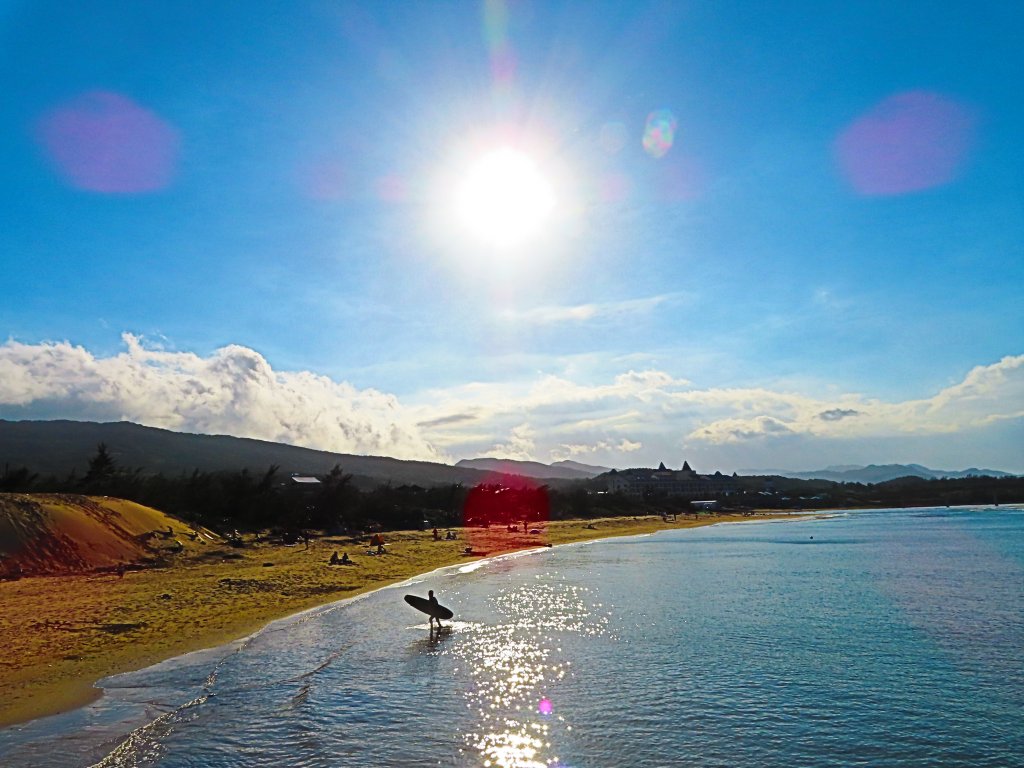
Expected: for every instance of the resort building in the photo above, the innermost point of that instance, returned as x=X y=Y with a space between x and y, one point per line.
x=668 y=482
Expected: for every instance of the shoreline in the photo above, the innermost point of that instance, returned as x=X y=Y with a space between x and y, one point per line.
x=66 y=633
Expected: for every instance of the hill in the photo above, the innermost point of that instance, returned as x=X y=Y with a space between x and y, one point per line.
x=590 y=469
x=60 y=447
x=560 y=470
x=62 y=534
x=878 y=473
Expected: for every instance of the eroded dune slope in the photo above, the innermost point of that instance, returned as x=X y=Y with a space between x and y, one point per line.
x=64 y=533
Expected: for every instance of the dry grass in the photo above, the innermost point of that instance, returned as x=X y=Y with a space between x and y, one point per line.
x=62 y=633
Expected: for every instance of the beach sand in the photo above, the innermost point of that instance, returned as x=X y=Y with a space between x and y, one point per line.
x=63 y=633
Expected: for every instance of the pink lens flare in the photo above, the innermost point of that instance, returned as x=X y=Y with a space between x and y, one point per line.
x=325 y=179
x=544 y=707
x=683 y=178
x=104 y=142
x=909 y=142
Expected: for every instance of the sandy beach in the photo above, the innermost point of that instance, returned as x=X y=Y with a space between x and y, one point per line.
x=63 y=633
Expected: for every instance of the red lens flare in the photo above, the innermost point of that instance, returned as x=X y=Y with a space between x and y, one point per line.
x=505 y=512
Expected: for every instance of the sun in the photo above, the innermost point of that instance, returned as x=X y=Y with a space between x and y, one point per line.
x=504 y=200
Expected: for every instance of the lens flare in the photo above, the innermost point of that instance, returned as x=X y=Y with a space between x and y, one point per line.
x=909 y=142
x=659 y=133
x=105 y=142
x=544 y=707
x=516 y=506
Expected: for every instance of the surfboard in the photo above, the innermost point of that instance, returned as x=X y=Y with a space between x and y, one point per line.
x=431 y=609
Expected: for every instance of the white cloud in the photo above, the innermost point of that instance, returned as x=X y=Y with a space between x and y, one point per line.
x=739 y=430
x=520 y=445
x=547 y=315
x=569 y=451
x=988 y=394
x=636 y=418
x=667 y=415
x=233 y=391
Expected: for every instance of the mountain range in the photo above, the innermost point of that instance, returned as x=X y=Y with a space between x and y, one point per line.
x=61 y=447
x=562 y=470
x=877 y=473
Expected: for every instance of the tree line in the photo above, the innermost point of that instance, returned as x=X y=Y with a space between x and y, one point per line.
x=247 y=501
x=267 y=499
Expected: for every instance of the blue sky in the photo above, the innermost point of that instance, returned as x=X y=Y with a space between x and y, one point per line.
x=238 y=218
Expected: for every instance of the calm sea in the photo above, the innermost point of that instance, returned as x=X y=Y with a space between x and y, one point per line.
x=890 y=638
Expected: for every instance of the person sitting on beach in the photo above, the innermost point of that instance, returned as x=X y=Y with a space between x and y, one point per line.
x=334 y=558
x=449 y=536
x=344 y=559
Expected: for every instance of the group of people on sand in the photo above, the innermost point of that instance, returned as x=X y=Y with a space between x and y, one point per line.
x=377 y=540
x=449 y=535
x=343 y=560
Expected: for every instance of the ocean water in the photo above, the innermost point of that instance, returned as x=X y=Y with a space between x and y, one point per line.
x=883 y=638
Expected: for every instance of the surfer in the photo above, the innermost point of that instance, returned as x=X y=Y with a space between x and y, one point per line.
x=435 y=605
x=430 y=606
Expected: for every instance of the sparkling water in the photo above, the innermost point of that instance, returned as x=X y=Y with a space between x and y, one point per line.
x=888 y=638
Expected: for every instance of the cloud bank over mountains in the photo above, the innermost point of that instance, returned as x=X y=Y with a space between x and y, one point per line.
x=234 y=391
x=635 y=419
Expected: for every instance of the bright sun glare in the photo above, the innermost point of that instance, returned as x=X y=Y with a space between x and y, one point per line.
x=504 y=199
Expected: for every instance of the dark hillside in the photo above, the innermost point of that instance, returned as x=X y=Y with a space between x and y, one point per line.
x=59 y=447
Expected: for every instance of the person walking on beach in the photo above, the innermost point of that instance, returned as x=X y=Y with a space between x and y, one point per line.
x=435 y=605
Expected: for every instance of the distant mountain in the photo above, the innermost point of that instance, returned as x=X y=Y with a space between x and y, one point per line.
x=60 y=447
x=562 y=470
x=878 y=473
x=591 y=469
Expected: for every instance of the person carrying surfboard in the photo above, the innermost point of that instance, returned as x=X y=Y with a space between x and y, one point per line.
x=429 y=606
x=435 y=605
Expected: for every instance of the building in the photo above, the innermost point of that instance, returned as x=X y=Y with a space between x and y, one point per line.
x=668 y=482
x=304 y=483
x=705 y=505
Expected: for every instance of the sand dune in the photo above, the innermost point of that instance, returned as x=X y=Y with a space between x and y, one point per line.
x=50 y=534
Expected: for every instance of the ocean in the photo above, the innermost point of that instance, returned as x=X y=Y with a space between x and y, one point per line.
x=868 y=638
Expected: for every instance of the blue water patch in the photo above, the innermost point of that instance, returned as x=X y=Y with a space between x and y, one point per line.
x=872 y=638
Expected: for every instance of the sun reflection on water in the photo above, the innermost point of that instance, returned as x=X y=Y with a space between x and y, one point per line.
x=516 y=667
